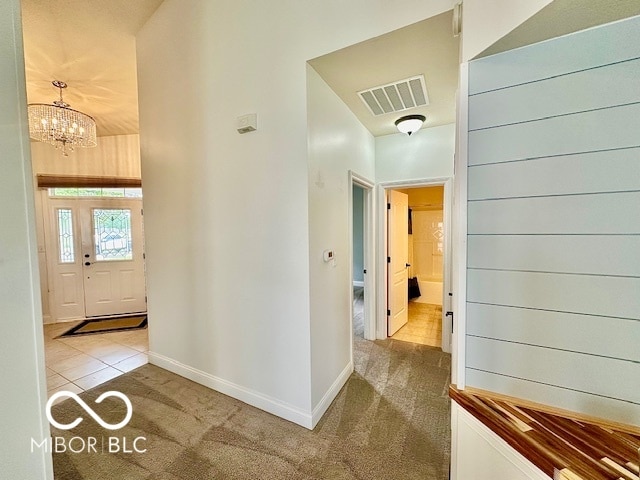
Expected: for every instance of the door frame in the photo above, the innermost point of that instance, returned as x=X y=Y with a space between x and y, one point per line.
x=459 y=242
x=447 y=303
x=368 y=238
x=51 y=245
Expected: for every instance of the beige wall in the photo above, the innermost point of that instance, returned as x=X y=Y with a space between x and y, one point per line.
x=116 y=156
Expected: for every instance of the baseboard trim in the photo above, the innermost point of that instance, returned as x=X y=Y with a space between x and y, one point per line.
x=251 y=397
x=358 y=283
x=331 y=394
x=65 y=320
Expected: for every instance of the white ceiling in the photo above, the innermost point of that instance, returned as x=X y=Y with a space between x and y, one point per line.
x=425 y=48
x=90 y=44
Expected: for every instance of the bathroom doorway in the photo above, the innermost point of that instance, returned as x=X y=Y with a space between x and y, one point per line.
x=425 y=227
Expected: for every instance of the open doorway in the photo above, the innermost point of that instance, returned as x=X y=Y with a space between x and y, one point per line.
x=93 y=269
x=89 y=246
x=358 y=260
x=94 y=251
x=362 y=258
x=418 y=273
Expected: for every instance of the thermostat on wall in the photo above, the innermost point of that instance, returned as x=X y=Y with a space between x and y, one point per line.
x=248 y=123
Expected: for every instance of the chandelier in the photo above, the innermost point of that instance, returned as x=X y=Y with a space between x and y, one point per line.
x=60 y=125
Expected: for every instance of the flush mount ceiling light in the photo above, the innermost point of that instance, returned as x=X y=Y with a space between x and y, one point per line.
x=60 y=125
x=410 y=123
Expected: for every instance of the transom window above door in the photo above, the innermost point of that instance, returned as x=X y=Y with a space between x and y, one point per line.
x=95 y=192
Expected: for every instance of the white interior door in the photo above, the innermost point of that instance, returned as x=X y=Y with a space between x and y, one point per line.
x=113 y=261
x=397 y=252
x=96 y=257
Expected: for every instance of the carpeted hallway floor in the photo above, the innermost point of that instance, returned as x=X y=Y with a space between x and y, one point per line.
x=390 y=421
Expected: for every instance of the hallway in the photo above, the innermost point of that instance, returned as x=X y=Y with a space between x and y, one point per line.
x=391 y=420
x=424 y=326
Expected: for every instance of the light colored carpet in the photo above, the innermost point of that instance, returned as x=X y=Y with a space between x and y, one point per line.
x=390 y=421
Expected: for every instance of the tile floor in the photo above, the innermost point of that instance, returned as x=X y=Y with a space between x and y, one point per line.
x=424 y=325
x=79 y=363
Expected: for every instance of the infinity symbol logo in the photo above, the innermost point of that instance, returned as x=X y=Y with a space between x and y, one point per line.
x=88 y=409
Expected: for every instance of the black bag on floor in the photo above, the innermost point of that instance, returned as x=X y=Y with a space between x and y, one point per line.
x=414 y=288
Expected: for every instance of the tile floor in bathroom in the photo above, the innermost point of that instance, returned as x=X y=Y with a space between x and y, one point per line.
x=79 y=363
x=424 y=325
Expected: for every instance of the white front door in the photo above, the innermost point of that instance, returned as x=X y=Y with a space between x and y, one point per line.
x=97 y=265
x=112 y=257
x=397 y=253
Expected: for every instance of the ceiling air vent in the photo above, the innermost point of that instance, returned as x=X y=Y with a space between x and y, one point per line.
x=396 y=96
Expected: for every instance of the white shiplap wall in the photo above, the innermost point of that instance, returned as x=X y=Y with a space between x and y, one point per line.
x=553 y=280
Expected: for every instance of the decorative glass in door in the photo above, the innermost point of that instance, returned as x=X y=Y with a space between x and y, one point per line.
x=66 y=249
x=112 y=233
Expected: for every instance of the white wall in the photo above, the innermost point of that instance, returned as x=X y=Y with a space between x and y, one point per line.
x=115 y=156
x=480 y=454
x=553 y=313
x=338 y=142
x=428 y=153
x=229 y=274
x=486 y=21
x=23 y=393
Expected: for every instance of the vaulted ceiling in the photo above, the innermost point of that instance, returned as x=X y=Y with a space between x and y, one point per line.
x=425 y=48
x=90 y=45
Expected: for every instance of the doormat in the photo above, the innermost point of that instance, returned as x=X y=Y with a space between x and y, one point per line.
x=102 y=325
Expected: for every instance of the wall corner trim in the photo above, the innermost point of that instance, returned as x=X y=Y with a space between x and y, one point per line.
x=331 y=394
x=251 y=397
